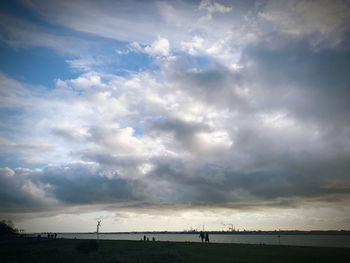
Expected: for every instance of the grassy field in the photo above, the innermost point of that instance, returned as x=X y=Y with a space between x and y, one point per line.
x=65 y=250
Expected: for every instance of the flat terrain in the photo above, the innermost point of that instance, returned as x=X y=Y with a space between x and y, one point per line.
x=65 y=250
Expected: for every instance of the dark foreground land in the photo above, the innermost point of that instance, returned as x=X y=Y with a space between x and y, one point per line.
x=70 y=250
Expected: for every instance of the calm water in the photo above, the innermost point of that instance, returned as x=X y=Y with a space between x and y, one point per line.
x=293 y=240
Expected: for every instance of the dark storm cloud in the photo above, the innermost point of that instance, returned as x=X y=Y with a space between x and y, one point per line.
x=173 y=181
x=79 y=184
x=308 y=83
x=72 y=184
x=179 y=182
x=215 y=86
x=16 y=193
x=184 y=132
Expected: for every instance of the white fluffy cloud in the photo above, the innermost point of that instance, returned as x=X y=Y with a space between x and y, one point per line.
x=160 y=47
x=194 y=46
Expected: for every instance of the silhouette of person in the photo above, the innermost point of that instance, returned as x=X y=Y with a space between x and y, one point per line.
x=144 y=238
x=206 y=237
x=147 y=239
x=201 y=235
x=55 y=235
x=153 y=239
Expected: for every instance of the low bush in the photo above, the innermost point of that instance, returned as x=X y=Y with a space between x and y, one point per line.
x=7 y=228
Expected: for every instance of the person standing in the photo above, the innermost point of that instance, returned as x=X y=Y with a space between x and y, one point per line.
x=201 y=235
x=206 y=237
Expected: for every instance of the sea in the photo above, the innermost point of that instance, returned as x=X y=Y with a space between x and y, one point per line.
x=318 y=240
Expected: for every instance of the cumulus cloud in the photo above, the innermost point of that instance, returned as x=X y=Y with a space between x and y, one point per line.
x=194 y=46
x=160 y=47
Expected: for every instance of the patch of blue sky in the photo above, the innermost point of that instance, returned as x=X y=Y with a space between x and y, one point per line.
x=107 y=60
x=11 y=119
x=203 y=62
x=134 y=61
x=35 y=66
x=8 y=160
x=42 y=66
x=131 y=62
x=138 y=131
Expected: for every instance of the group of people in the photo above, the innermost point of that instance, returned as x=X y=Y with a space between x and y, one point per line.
x=147 y=238
x=204 y=236
x=51 y=235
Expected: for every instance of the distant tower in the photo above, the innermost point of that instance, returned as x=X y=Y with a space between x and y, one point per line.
x=98 y=227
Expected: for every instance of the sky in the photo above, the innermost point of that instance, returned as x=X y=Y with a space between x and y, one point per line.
x=171 y=115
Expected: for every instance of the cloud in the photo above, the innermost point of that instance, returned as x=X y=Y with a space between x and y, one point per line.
x=225 y=146
x=32 y=160
x=30 y=148
x=181 y=21
x=54 y=186
x=132 y=47
x=83 y=64
x=324 y=21
x=7 y=172
x=213 y=7
x=20 y=194
x=194 y=46
x=21 y=33
x=160 y=47
x=303 y=80
x=177 y=22
x=107 y=24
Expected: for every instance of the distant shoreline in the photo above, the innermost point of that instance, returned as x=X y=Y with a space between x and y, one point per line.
x=275 y=238
x=281 y=232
